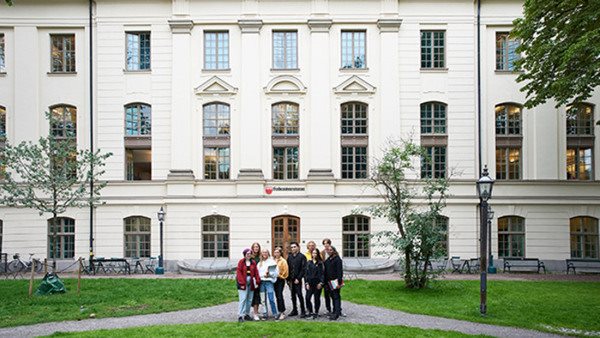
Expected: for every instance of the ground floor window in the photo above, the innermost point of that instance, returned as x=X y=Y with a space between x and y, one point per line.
x=215 y=236
x=285 y=163
x=354 y=162
x=137 y=236
x=441 y=223
x=355 y=236
x=584 y=237
x=65 y=238
x=511 y=236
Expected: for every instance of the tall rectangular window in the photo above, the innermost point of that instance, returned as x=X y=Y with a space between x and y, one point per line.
x=285 y=49
x=62 y=53
x=433 y=118
x=506 y=53
x=354 y=162
x=138 y=51
x=137 y=237
x=354 y=44
x=584 y=237
x=215 y=236
x=355 y=236
x=433 y=50
x=579 y=163
x=508 y=163
x=216 y=163
x=216 y=50
x=433 y=164
x=285 y=163
x=511 y=236
x=2 y=54
x=65 y=238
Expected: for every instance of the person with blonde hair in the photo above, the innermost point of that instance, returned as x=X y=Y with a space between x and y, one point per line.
x=268 y=272
x=310 y=246
x=280 y=283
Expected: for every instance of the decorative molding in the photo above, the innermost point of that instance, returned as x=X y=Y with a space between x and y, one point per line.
x=181 y=26
x=250 y=25
x=250 y=175
x=319 y=25
x=285 y=84
x=215 y=86
x=354 y=85
x=389 y=25
x=180 y=175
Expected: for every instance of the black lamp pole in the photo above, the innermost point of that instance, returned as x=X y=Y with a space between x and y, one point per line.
x=484 y=191
x=161 y=218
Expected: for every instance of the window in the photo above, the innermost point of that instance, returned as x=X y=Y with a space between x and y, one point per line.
x=506 y=54
x=2 y=123
x=580 y=119
x=579 y=163
x=65 y=238
x=433 y=118
x=216 y=119
x=215 y=236
x=433 y=53
x=353 y=49
x=216 y=50
x=433 y=163
x=584 y=237
x=441 y=223
x=64 y=125
x=137 y=237
x=511 y=236
x=138 y=163
x=285 y=118
x=216 y=163
x=62 y=53
x=1 y=234
x=580 y=142
x=285 y=163
x=138 y=51
x=354 y=118
x=355 y=236
x=138 y=119
x=508 y=163
x=285 y=49
x=2 y=54
x=508 y=119
x=354 y=162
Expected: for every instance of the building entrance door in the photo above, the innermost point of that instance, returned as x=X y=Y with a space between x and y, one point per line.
x=285 y=229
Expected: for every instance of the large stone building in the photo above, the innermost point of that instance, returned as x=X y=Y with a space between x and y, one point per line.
x=255 y=120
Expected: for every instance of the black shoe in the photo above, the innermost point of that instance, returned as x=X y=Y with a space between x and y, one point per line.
x=303 y=315
x=334 y=317
x=240 y=319
x=247 y=317
x=315 y=315
x=293 y=313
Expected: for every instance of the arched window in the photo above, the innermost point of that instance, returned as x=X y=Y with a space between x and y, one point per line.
x=511 y=236
x=137 y=237
x=508 y=119
x=64 y=124
x=215 y=236
x=216 y=119
x=580 y=119
x=584 y=237
x=138 y=119
x=433 y=118
x=285 y=118
x=441 y=223
x=2 y=123
x=354 y=118
x=64 y=239
x=355 y=236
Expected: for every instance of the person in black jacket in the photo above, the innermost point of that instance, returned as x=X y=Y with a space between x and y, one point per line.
x=315 y=279
x=334 y=273
x=297 y=267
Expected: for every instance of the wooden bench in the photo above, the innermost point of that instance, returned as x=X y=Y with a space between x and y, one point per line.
x=583 y=265
x=523 y=263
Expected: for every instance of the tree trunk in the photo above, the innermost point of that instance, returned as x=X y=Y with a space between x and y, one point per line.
x=54 y=242
x=407 y=268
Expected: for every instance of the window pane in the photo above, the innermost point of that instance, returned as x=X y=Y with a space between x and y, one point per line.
x=216 y=50
x=285 y=50
x=2 y=54
x=285 y=119
x=355 y=236
x=138 y=50
x=353 y=49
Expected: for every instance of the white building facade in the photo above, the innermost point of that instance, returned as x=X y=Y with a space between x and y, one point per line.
x=256 y=121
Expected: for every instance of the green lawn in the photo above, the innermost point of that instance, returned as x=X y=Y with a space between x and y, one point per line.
x=537 y=305
x=115 y=297
x=268 y=329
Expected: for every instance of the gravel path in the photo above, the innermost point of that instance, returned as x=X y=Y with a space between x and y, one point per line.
x=227 y=312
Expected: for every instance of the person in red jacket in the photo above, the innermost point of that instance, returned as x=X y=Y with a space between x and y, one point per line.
x=248 y=280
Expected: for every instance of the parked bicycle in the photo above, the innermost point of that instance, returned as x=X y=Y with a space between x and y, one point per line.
x=19 y=265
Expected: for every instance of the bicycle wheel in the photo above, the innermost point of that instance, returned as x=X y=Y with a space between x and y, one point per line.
x=16 y=266
x=39 y=266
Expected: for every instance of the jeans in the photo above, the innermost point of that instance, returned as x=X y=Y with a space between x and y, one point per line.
x=245 y=299
x=297 y=293
x=266 y=287
x=316 y=293
x=279 y=285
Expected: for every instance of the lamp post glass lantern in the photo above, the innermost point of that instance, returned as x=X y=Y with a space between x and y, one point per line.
x=485 y=185
x=160 y=270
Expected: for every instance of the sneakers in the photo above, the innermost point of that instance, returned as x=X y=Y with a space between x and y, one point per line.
x=315 y=315
x=303 y=315
x=334 y=317
x=343 y=314
x=247 y=317
x=255 y=318
x=240 y=319
x=281 y=316
x=293 y=313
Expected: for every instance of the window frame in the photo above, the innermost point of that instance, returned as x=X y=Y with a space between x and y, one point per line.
x=512 y=236
x=286 y=162
x=444 y=241
x=63 y=238
x=217 y=55
x=433 y=173
x=64 y=60
x=354 y=171
x=216 y=233
x=431 y=120
x=506 y=164
x=217 y=105
x=580 y=234
x=139 y=51
x=431 y=48
x=507 y=121
x=353 y=119
x=64 y=129
x=353 y=32
x=285 y=53
x=139 y=128
x=3 y=124
x=364 y=234
x=137 y=235
x=2 y=53
x=505 y=51
x=579 y=122
x=217 y=171
x=578 y=161
x=286 y=119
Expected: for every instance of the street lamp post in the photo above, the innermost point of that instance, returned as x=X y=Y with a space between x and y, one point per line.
x=160 y=270
x=484 y=192
x=491 y=267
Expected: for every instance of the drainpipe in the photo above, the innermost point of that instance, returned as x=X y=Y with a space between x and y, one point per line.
x=91 y=51
x=479 y=84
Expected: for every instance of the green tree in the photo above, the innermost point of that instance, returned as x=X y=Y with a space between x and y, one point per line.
x=560 y=40
x=50 y=176
x=413 y=206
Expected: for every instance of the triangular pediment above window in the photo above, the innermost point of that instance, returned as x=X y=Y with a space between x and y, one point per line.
x=354 y=85
x=215 y=85
x=285 y=84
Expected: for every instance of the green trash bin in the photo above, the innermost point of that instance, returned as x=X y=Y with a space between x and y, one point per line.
x=50 y=284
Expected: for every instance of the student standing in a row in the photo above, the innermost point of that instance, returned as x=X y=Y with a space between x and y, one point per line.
x=315 y=279
x=297 y=267
x=282 y=265
x=334 y=273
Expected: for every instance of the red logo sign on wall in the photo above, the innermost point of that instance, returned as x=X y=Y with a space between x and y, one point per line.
x=269 y=190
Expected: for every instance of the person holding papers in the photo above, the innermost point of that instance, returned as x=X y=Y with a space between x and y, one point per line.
x=268 y=271
x=248 y=281
x=315 y=279
x=334 y=273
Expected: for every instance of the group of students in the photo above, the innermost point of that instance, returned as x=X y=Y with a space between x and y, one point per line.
x=258 y=273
